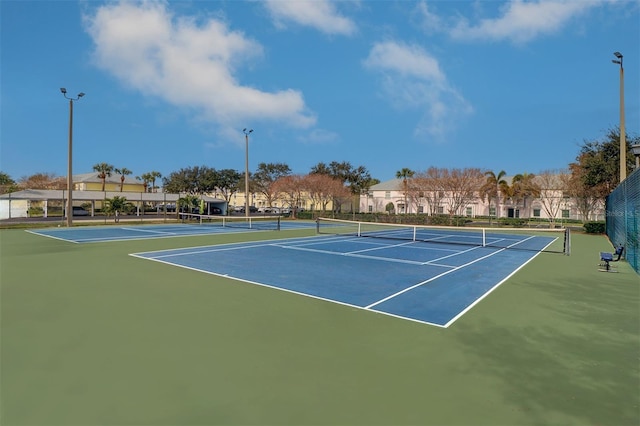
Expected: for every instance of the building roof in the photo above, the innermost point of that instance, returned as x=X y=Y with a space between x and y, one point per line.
x=389 y=185
x=60 y=194
x=114 y=178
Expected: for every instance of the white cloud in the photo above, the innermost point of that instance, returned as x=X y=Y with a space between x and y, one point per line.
x=188 y=64
x=412 y=78
x=320 y=136
x=522 y=21
x=410 y=61
x=430 y=21
x=318 y=14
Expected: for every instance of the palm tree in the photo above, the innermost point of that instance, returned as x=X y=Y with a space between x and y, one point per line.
x=523 y=187
x=493 y=187
x=145 y=178
x=122 y=172
x=104 y=170
x=405 y=174
x=154 y=175
x=116 y=206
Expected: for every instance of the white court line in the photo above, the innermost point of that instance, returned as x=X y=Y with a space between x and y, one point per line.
x=357 y=253
x=213 y=250
x=464 y=311
x=442 y=274
x=288 y=291
x=149 y=231
x=51 y=236
x=451 y=255
x=336 y=253
x=431 y=279
x=379 y=248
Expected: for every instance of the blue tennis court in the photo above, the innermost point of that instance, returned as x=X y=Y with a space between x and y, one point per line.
x=93 y=234
x=432 y=283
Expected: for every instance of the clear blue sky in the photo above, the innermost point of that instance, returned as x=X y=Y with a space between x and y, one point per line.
x=383 y=84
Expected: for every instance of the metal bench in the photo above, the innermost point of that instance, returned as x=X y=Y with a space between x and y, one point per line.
x=606 y=259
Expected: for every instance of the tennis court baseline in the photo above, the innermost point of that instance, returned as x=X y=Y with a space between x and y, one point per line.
x=428 y=283
x=93 y=234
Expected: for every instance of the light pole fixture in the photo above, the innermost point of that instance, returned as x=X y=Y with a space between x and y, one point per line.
x=635 y=149
x=246 y=171
x=623 y=141
x=69 y=207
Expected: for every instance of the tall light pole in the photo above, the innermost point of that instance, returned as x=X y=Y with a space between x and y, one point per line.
x=635 y=150
x=246 y=171
x=69 y=169
x=623 y=141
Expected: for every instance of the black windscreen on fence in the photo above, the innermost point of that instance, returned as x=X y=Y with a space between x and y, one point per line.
x=623 y=215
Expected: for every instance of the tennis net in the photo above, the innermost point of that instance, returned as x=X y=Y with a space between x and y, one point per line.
x=535 y=239
x=259 y=222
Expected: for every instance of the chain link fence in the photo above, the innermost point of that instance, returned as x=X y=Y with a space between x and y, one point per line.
x=623 y=218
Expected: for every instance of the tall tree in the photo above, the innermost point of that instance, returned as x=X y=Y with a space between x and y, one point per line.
x=587 y=198
x=104 y=171
x=357 y=179
x=553 y=187
x=195 y=180
x=493 y=187
x=42 y=181
x=180 y=181
x=405 y=174
x=146 y=179
x=523 y=187
x=228 y=183
x=323 y=188
x=291 y=187
x=154 y=175
x=122 y=172
x=600 y=161
x=6 y=183
x=264 y=177
x=428 y=185
x=461 y=187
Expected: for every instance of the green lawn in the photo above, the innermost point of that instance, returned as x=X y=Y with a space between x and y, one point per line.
x=92 y=336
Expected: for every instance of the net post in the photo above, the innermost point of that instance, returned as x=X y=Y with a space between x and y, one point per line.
x=484 y=237
x=317 y=225
x=359 y=229
x=278 y=226
x=567 y=242
x=415 y=231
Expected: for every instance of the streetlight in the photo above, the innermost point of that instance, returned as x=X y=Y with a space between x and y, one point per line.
x=635 y=149
x=69 y=169
x=623 y=142
x=246 y=171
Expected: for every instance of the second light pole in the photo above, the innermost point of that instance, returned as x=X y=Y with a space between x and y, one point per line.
x=69 y=167
x=246 y=171
x=623 y=141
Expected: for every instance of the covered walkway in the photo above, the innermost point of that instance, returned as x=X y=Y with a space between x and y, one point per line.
x=59 y=196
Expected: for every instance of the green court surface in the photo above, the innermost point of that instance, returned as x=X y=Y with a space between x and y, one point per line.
x=93 y=336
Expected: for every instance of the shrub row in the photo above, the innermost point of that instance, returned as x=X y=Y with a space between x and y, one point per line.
x=595 y=227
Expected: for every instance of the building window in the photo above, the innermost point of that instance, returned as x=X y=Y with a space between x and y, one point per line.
x=469 y=211
x=565 y=214
x=536 y=212
x=370 y=209
x=492 y=211
x=440 y=210
x=387 y=194
x=420 y=209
